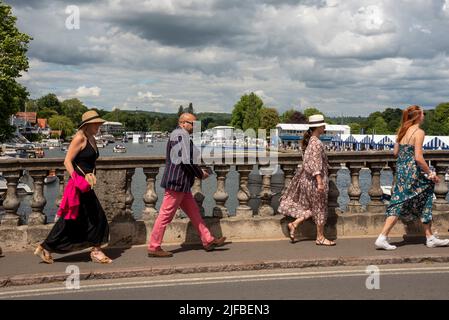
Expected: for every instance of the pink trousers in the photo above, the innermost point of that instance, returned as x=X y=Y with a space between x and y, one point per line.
x=171 y=202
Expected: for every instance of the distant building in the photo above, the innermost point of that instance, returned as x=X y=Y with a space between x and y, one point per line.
x=114 y=128
x=295 y=132
x=42 y=123
x=222 y=132
x=30 y=117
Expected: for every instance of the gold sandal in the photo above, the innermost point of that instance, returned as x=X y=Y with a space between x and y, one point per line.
x=103 y=260
x=43 y=254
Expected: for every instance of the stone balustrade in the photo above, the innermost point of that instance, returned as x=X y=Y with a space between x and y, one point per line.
x=115 y=178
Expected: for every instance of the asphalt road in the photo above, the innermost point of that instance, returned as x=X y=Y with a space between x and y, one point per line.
x=423 y=281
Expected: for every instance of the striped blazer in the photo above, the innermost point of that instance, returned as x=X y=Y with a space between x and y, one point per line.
x=180 y=171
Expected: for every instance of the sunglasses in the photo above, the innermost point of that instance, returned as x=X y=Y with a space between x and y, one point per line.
x=189 y=122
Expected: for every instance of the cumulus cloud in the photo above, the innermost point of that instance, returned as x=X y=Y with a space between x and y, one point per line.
x=82 y=92
x=339 y=56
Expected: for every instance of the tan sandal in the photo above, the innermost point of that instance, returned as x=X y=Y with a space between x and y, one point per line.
x=325 y=242
x=103 y=260
x=291 y=229
x=43 y=254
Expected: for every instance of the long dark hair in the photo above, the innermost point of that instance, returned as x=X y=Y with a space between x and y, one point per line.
x=306 y=138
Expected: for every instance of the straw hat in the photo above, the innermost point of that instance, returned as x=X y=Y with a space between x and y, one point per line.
x=316 y=120
x=90 y=116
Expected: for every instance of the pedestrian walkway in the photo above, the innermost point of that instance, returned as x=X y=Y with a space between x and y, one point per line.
x=19 y=268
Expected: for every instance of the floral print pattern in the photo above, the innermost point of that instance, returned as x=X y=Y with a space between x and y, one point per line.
x=301 y=198
x=412 y=194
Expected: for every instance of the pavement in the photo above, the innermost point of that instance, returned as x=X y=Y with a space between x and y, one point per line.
x=23 y=268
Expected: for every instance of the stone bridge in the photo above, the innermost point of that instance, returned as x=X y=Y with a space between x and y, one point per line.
x=115 y=176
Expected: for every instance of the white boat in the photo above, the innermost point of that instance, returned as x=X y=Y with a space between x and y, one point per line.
x=22 y=188
x=119 y=148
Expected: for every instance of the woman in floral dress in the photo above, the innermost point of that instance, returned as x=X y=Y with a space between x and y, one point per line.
x=413 y=191
x=306 y=195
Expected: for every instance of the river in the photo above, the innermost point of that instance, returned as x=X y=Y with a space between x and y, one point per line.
x=209 y=185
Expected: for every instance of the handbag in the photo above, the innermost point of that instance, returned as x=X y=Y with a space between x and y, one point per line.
x=90 y=177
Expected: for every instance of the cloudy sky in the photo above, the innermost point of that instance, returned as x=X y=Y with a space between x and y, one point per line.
x=349 y=57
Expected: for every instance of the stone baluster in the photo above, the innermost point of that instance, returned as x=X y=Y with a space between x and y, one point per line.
x=244 y=195
x=393 y=168
x=354 y=190
x=220 y=196
x=37 y=216
x=11 y=203
x=375 y=192
x=333 y=194
x=129 y=199
x=265 y=208
x=441 y=189
x=61 y=175
x=150 y=196
x=289 y=172
x=179 y=214
x=198 y=194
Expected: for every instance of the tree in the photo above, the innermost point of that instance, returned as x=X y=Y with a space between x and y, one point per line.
x=46 y=113
x=190 y=109
x=13 y=61
x=180 y=110
x=293 y=116
x=393 y=118
x=62 y=123
x=355 y=128
x=380 y=126
x=269 y=118
x=441 y=116
x=31 y=106
x=240 y=110
x=156 y=126
x=431 y=126
x=311 y=111
x=252 y=115
x=169 y=124
x=73 y=109
x=50 y=101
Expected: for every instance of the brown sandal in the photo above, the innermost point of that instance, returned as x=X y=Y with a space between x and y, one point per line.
x=291 y=230
x=325 y=242
x=103 y=260
x=43 y=254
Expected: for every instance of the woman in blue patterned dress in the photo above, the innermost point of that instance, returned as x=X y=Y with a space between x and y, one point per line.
x=413 y=191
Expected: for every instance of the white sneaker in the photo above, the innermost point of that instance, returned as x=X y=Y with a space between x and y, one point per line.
x=434 y=242
x=382 y=243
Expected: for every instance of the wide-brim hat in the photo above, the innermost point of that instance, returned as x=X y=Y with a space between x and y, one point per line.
x=316 y=120
x=90 y=116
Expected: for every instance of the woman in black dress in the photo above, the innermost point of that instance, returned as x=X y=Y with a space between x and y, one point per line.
x=90 y=228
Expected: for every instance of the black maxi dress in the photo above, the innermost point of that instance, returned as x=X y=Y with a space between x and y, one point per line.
x=91 y=226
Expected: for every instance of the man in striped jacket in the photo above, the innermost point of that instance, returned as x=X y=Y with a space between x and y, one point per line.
x=179 y=175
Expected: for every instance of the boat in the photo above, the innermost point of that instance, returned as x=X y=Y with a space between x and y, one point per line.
x=119 y=148
x=39 y=152
x=51 y=177
x=22 y=188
